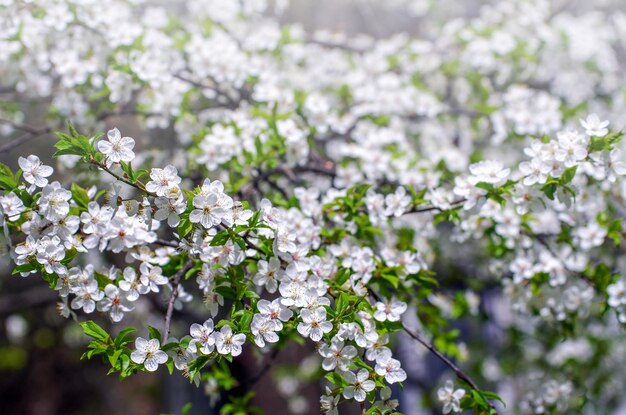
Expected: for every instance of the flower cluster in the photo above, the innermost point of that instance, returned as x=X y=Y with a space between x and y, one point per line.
x=368 y=198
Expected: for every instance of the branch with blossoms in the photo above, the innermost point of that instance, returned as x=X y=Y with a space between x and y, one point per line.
x=378 y=201
x=323 y=294
x=226 y=243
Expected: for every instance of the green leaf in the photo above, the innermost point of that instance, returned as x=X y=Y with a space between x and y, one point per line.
x=479 y=398
x=341 y=304
x=121 y=338
x=184 y=227
x=91 y=329
x=113 y=357
x=74 y=144
x=493 y=397
x=154 y=333
x=5 y=170
x=244 y=323
x=226 y=292
x=73 y=131
x=335 y=378
x=220 y=238
x=80 y=196
x=549 y=189
x=7 y=180
x=342 y=276
x=485 y=186
x=568 y=175
x=23 y=268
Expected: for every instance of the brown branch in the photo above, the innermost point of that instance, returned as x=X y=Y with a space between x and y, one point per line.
x=266 y=367
x=432 y=208
x=26 y=127
x=30 y=132
x=171 y=244
x=231 y=103
x=459 y=373
x=431 y=348
x=137 y=184
x=25 y=299
x=546 y=245
x=23 y=139
x=245 y=237
x=170 y=305
x=289 y=172
x=335 y=45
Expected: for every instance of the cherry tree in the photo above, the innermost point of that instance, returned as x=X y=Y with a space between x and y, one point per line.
x=349 y=193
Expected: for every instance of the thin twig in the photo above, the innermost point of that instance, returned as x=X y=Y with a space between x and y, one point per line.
x=172 y=244
x=136 y=184
x=26 y=127
x=231 y=103
x=27 y=299
x=432 y=208
x=265 y=176
x=245 y=237
x=459 y=373
x=175 y=279
x=431 y=348
x=268 y=364
x=546 y=245
x=30 y=132
x=23 y=139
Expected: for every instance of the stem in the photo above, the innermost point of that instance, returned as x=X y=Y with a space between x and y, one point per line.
x=431 y=348
x=431 y=208
x=26 y=127
x=268 y=364
x=459 y=373
x=137 y=184
x=30 y=132
x=547 y=246
x=170 y=304
x=171 y=244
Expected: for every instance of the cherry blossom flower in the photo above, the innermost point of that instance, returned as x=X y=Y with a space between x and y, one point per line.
x=268 y=274
x=163 y=180
x=148 y=353
x=389 y=368
x=358 y=385
x=329 y=403
x=203 y=336
x=390 y=311
x=489 y=171
x=228 y=343
x=87 y=295
x=117 y=148
x=314 y=323
x=35 y=172
x=450 y=397
x=208 y=213
x=263 y=329
x=275 y=311
x=113 y=303
x=336 y=355
x=594 y=127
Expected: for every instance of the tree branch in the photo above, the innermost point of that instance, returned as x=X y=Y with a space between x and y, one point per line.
x=432 y=208
x=30 y=132
x=137 y=185
x=170 y=305
x=266 y=367
x=431 y=348
x=34 y=297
